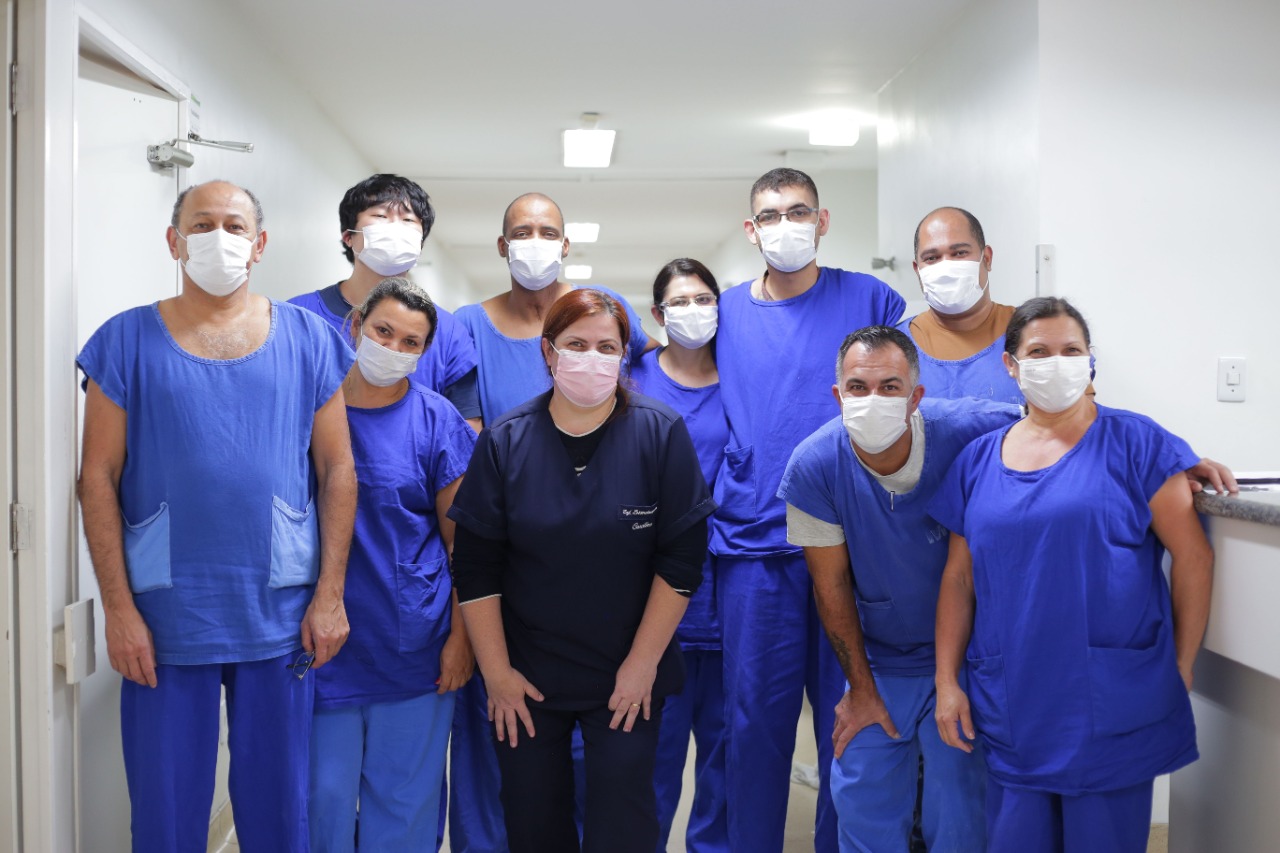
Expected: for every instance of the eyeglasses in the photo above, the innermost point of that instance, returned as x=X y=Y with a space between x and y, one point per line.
x=765 y=218
x=300 y=666
x=702 y=300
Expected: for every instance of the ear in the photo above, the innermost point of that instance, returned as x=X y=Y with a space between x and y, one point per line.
x=658 y=315
x=259 y=246
x=914 y=402
x=1009 y=364
x=171 y=237
x=835 y=392
x=356 y=322
x=564 y=253
x=749 y=226
x=986 y=257
x=547 y=351
x=824 y=221
x=502 y=247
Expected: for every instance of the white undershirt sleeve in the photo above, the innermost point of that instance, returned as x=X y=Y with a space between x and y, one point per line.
x=806 y=531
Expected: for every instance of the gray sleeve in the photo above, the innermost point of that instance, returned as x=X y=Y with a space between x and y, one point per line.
x=806 y=531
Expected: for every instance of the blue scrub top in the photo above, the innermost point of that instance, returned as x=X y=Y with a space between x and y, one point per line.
x=982 y=375
x=398 y=592
x=896 y=551
x=1073 y=678
x=512 y=369
x=221 y=538
x=703 y=414
x=777 y=365
x=451 y=356
x=582 y=549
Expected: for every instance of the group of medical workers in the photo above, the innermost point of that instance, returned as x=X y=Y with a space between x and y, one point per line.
x=528 y=541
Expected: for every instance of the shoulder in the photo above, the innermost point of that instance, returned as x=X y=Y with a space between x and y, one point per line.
x=1123 y=421
x=845 y=278
x=295 y=314
x=310 y=300
x=649 y=409
x=521 y=415
x=427 y=399
x=968 y=414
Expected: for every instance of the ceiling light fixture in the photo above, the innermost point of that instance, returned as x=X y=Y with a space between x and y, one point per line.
x=588 y=147
x=577 y=272
x=582 y=232
x=834 y=128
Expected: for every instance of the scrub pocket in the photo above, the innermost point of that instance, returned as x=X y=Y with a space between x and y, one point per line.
x=736 y=485
x=295 y=545
x=880 y=621
x=424 y=596
x=989 y=699
x=146 y=552
x=1131 y=689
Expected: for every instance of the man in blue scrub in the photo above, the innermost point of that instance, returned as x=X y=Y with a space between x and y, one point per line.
x=507 y=329
x=775 y=338
x=856 y=492
x=218 y=493
x=385 y=220
x=961 y=336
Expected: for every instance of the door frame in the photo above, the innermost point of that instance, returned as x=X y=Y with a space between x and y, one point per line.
x=47 y=50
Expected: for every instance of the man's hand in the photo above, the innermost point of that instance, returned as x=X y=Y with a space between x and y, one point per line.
x=324 y=628
x=129 y=646
x=457 y=662
x=1218 y=475
x=856 y=711
x=951 y=712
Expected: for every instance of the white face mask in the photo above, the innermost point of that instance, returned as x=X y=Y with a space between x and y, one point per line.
x=381 y=366
x=587 y=379
x=789 y=246
x=693 y=325
x=218 y=261
x=875 y=422
x=951 y=287
x=534 y=263
x=391 y=248
x=1054 y=384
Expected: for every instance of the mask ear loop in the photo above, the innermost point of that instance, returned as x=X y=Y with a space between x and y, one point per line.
x=1093 y=361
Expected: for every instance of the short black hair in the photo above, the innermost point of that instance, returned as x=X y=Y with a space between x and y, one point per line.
x=875 y=337
x=258 y=218
x=974 y=226
x=775 y=179
x=682 y=267
x=1039 y=308
x=381 y=189
x=407 y=294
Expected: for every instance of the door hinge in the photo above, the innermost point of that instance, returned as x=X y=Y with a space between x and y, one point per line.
x=15 y=80
x=19 y=527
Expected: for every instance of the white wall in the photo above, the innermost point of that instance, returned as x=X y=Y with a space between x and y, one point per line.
x=850 y=242
x=958 y=128
x=1159 y=173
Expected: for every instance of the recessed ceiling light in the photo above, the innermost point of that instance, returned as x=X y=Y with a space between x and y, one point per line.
x=837 y=128
x=588 y=149
x=577 y=272
x=582 y=232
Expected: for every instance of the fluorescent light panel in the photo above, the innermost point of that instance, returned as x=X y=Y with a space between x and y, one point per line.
x=577 y=272
x=588 y=149
x=582 y=232
x=834 y=128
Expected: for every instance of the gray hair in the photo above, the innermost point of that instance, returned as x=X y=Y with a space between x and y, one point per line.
x=875 y=337
x=182 y=197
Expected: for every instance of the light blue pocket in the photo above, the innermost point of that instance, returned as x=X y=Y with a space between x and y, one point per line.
x=295 y=545
x=146 y=552
x=424 y=593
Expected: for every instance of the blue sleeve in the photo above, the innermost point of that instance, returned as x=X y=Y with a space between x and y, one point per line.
x=893 y=306
x=684 y=498
x=807 y=486
x=332 y=358
x=480 y=505
x=465 y=394
x=455 y=440
x=458 y=356
x=639 y=337
x=103 y=360
x=948 y=504
x=1157 y=456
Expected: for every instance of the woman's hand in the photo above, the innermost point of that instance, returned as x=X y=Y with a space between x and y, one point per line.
x=632 y=692
x=457 y=662
x=951 y=712
x=507 y=691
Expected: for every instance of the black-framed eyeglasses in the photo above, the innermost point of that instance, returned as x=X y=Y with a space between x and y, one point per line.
x=300 y=666
x=765 y=218
x=702 y=300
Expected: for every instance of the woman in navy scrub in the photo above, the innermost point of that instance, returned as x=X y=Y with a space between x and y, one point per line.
x=683 y=375
x=1079 y=654
x=581 y=535
x=384 y=706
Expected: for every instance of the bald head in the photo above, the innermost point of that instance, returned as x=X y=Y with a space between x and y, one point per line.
x=224 y=190
x=954 y=221
x=528 y=207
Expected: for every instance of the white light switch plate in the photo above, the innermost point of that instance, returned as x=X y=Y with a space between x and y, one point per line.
x=1231 y=376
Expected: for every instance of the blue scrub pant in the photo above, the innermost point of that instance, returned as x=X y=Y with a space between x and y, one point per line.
x=538 y=787
x=1109 y=822
x=170 y=735
x=873 y=784
x=475 y=810
x=699 y=708
x=774 y=651
x=387 y=758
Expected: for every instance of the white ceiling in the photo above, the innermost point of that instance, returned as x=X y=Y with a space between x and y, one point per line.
x=469 y=99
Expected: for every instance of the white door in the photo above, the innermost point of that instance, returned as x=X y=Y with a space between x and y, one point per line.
x=123 y=204
x=10 y=806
